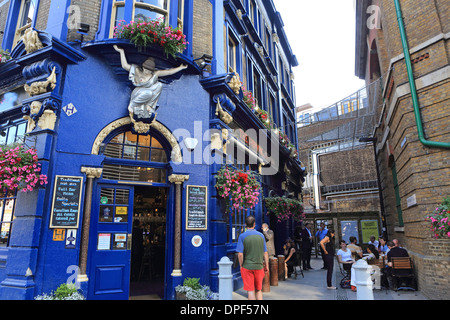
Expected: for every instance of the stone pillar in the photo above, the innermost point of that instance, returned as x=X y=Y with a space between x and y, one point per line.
x=178 y=180
x=91 y=174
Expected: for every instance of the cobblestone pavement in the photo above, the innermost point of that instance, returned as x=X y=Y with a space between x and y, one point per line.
x=313 y=287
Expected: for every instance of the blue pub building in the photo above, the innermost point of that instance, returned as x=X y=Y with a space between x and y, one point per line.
x=128 y=134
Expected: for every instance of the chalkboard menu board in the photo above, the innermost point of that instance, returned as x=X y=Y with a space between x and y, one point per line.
x=196 y=207
x=66 y=202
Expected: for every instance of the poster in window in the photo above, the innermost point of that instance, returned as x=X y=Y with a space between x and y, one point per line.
x=349 y=229
x=369 y=228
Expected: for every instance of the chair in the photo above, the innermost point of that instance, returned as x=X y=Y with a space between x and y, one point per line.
x=345 y=282
x=299 y=264
x=403 y=268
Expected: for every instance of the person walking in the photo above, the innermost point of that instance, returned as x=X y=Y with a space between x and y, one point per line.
x=320 y=234
x=306 y=246
x=253 y=259
x=327 y=245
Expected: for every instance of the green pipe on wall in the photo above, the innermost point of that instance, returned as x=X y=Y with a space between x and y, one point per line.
x=412 y=84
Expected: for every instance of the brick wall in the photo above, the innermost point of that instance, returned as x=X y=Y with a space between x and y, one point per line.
x=421 y=171
x=202 y=28
x=90 y=14
x=3 y=16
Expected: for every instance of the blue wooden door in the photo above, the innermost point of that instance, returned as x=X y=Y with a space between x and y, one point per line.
x=110 y=243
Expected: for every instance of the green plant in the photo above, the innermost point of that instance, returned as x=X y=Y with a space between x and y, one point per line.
x=195 y=291
x=193 y=283
x=285 y=208
x=440 y=220
x=63 y=292
x=19 y=168
x=144 y=33
x=243 y=188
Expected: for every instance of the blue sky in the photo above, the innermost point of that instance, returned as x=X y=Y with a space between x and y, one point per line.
x=322 y=36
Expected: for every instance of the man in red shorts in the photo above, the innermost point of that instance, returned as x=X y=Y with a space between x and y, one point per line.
x=253 y=259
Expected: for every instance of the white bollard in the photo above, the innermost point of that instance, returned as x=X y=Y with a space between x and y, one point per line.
x=363 y=280
x=225 y=279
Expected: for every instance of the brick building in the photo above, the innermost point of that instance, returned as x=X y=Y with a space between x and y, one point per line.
x=413 y=126
x=341 y=186
x=67 y=92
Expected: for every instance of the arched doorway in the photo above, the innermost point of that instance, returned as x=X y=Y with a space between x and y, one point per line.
x=128 y=244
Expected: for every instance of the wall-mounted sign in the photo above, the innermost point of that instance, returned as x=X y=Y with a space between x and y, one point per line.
x=196 y=241
x=71 y=238
x=196 y=207
x=59 y=234
x=66 y=202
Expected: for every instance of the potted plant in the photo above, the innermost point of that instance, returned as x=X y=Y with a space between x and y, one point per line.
x=440 y=220
x=63 y=292
x=19 y=168
x=285 y=208
x=152 y=32
x=193 y=290
x=242 y=187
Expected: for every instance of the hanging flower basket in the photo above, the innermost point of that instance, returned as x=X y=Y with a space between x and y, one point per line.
x=4 y=56
x=153 y=32
x=242 y=187
x=19 y=169
x=440 y=220
x=285 y=208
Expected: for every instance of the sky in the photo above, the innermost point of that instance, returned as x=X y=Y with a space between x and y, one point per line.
x=322 y=36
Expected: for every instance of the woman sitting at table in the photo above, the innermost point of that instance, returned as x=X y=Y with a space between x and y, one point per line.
x=345 y=256
x=373 y=254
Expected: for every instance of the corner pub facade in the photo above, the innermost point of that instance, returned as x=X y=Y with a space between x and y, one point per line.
x=66 y=92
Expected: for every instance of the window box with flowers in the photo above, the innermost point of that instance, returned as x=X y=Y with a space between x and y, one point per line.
x=440 y=220
x=153 y=32
x=19 y=169
x=243 y=188
x=285 y=208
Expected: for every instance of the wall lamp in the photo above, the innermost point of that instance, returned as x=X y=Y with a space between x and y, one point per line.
x=83 y=29
x=204 y=61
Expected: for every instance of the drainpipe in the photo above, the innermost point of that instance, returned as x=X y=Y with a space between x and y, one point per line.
x=412 y=84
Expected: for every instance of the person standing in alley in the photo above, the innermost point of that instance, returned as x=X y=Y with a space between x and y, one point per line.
x=327 y=245
x=306 y=246
x=268 y=234
x=320 y=234
x=253 y=259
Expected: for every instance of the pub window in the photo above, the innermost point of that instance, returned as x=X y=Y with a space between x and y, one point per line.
x=257 y=88
x=232 y=54
x=236 y=218
x=146 y=10
x=27 y=14
x=132 y=146
x=12 y=131
x=7 y=205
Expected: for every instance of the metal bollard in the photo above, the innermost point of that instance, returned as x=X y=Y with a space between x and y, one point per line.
x=273 y=271
x=225 y=279
x=363 y=280
x=281 y=271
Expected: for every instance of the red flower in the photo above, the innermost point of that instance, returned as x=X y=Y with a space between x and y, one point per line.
x=142 y=31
